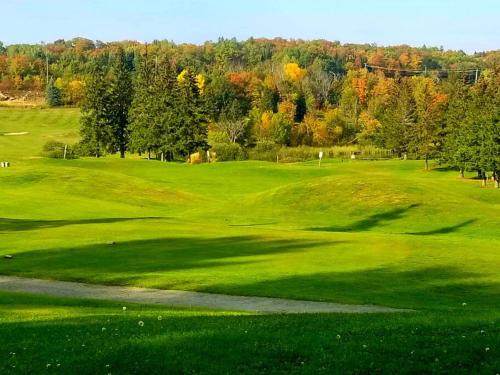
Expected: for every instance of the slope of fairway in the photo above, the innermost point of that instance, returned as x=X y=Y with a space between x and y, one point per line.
x=23 y=132
x=386 y=233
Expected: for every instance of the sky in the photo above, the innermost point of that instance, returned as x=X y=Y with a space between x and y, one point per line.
x=454 y=24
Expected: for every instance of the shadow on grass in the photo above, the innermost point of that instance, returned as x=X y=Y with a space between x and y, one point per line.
x=222 y=344
x=370 y=222
x=444 y=230
x=445 y=169
x=120 y=262
x=381 y=219
x=439 y=287
x=17 y=225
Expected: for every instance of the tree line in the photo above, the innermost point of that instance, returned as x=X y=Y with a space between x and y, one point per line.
x=158 y=107
x=262 y=92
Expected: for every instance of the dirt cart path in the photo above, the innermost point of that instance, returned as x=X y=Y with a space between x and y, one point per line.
x=182 y=298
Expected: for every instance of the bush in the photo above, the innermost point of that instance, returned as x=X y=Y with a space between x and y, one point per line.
x=198 y=157
x=55 y=150
x=216 y=137
x=264 y=150
x=228 y=151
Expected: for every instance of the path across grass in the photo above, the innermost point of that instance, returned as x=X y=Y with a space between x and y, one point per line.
x=182 y=298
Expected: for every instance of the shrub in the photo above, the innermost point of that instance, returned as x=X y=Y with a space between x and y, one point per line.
x=228 y=151
x=84 y=149
x=264 y=150
x=55 y=150
x=198 y=157
x=215 y=137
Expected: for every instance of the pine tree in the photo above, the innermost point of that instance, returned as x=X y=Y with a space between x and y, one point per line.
x=428 y=121
x=167 y=111
x=455 y=150
x=191 y=117
x=53 y=94
x=154 y=113
x=399 y=119
x=120 y=99
x=141 y=113
x=96 y=128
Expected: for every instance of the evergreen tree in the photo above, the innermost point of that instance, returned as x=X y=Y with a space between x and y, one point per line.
x=399 y=119
x=456 y=137
x=166 y=110
x=425 y=140
x=96 y=129
x=53 y=94
x=120 y=99
x=490 y=147
x=141 y=113
x=191 y=117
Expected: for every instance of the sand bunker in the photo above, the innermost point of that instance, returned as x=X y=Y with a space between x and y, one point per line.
x=18 y=133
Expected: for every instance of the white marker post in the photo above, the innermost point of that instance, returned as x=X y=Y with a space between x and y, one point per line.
x=320 y=157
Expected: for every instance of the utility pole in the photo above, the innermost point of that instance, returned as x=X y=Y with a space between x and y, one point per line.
x=46 y=64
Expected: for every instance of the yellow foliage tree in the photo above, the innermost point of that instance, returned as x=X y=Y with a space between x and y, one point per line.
x=265 y=124
x=59 y=83
x=75 y=91
x=182 y=76
x=288 y=109
x=335 y=123
x=200 y=82
x=294 y=72
x=369 y=124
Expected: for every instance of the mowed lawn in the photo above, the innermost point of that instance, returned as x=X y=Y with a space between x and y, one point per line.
x=380 y=232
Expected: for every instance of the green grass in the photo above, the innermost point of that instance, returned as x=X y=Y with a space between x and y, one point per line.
x=382 y=232
x=64 y=336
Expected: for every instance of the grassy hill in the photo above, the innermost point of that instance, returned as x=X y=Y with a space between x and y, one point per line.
x=383 y=232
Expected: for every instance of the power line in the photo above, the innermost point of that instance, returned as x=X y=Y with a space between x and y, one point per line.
x=441 y=73
x=422 y=71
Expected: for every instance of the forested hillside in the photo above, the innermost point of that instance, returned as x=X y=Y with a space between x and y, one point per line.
x=424 y=102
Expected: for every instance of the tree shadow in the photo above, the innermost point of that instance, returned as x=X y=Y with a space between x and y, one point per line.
x=445 y=169
x=189 y=342
x=124 y=262
x=444 y=230
x=438 y=287
x=18 y=225
x=370 y=222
